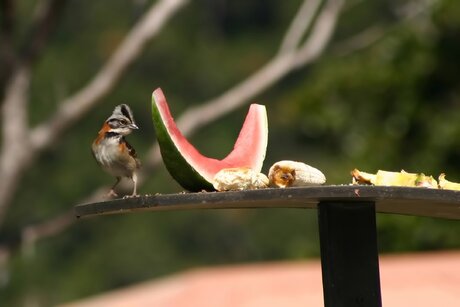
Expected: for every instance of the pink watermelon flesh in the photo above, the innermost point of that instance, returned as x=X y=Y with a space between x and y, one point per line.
x=249 y=149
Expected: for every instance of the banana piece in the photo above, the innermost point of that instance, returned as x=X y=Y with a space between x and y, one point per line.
x=287 y=173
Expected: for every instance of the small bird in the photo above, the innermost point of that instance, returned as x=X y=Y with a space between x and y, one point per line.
x=111 y=150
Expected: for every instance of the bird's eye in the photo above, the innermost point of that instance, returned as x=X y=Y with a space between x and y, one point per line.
x=123 y=122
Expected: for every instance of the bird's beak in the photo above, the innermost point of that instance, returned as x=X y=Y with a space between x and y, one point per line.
x=133 y=126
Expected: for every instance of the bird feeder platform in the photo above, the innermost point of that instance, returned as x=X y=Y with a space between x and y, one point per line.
x=347 y=224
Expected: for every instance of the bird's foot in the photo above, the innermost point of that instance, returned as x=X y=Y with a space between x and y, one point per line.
x=112 y=194
x=131 y=196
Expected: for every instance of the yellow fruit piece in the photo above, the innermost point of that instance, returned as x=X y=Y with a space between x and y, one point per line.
x=402 y=178
x=446 y=184
x=360 y=177
x=386 y=178
x=426 y=181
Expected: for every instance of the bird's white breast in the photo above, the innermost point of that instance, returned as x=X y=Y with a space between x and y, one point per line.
x=107 y=153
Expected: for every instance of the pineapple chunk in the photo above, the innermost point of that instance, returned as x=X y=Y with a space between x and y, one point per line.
x=446 y=184
x=386 y=178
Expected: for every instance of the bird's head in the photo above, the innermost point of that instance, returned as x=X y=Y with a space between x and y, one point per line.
x=122 y=120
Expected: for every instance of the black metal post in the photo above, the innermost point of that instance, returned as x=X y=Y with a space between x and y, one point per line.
x=349 y=255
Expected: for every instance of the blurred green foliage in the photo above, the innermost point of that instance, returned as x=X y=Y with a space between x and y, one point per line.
x=392 y=105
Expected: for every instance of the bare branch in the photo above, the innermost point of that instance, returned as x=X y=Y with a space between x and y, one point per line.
x=299 y=25
x=371 y=35
x=14 y=110
x=359 y=41
x=32 y=234
x=14 y=153
x=320 y=35
x=74 y=107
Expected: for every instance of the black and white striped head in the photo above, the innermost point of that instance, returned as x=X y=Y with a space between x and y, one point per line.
x=122 y=120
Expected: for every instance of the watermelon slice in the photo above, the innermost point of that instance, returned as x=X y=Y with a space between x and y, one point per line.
x=188 y=166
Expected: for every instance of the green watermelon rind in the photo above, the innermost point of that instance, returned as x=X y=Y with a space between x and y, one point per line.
x=175 y=163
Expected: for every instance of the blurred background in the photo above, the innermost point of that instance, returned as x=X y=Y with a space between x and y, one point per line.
x=353 y=84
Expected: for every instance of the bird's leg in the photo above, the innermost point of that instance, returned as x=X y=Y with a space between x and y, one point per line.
x=112 y=189
x=134 y=179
